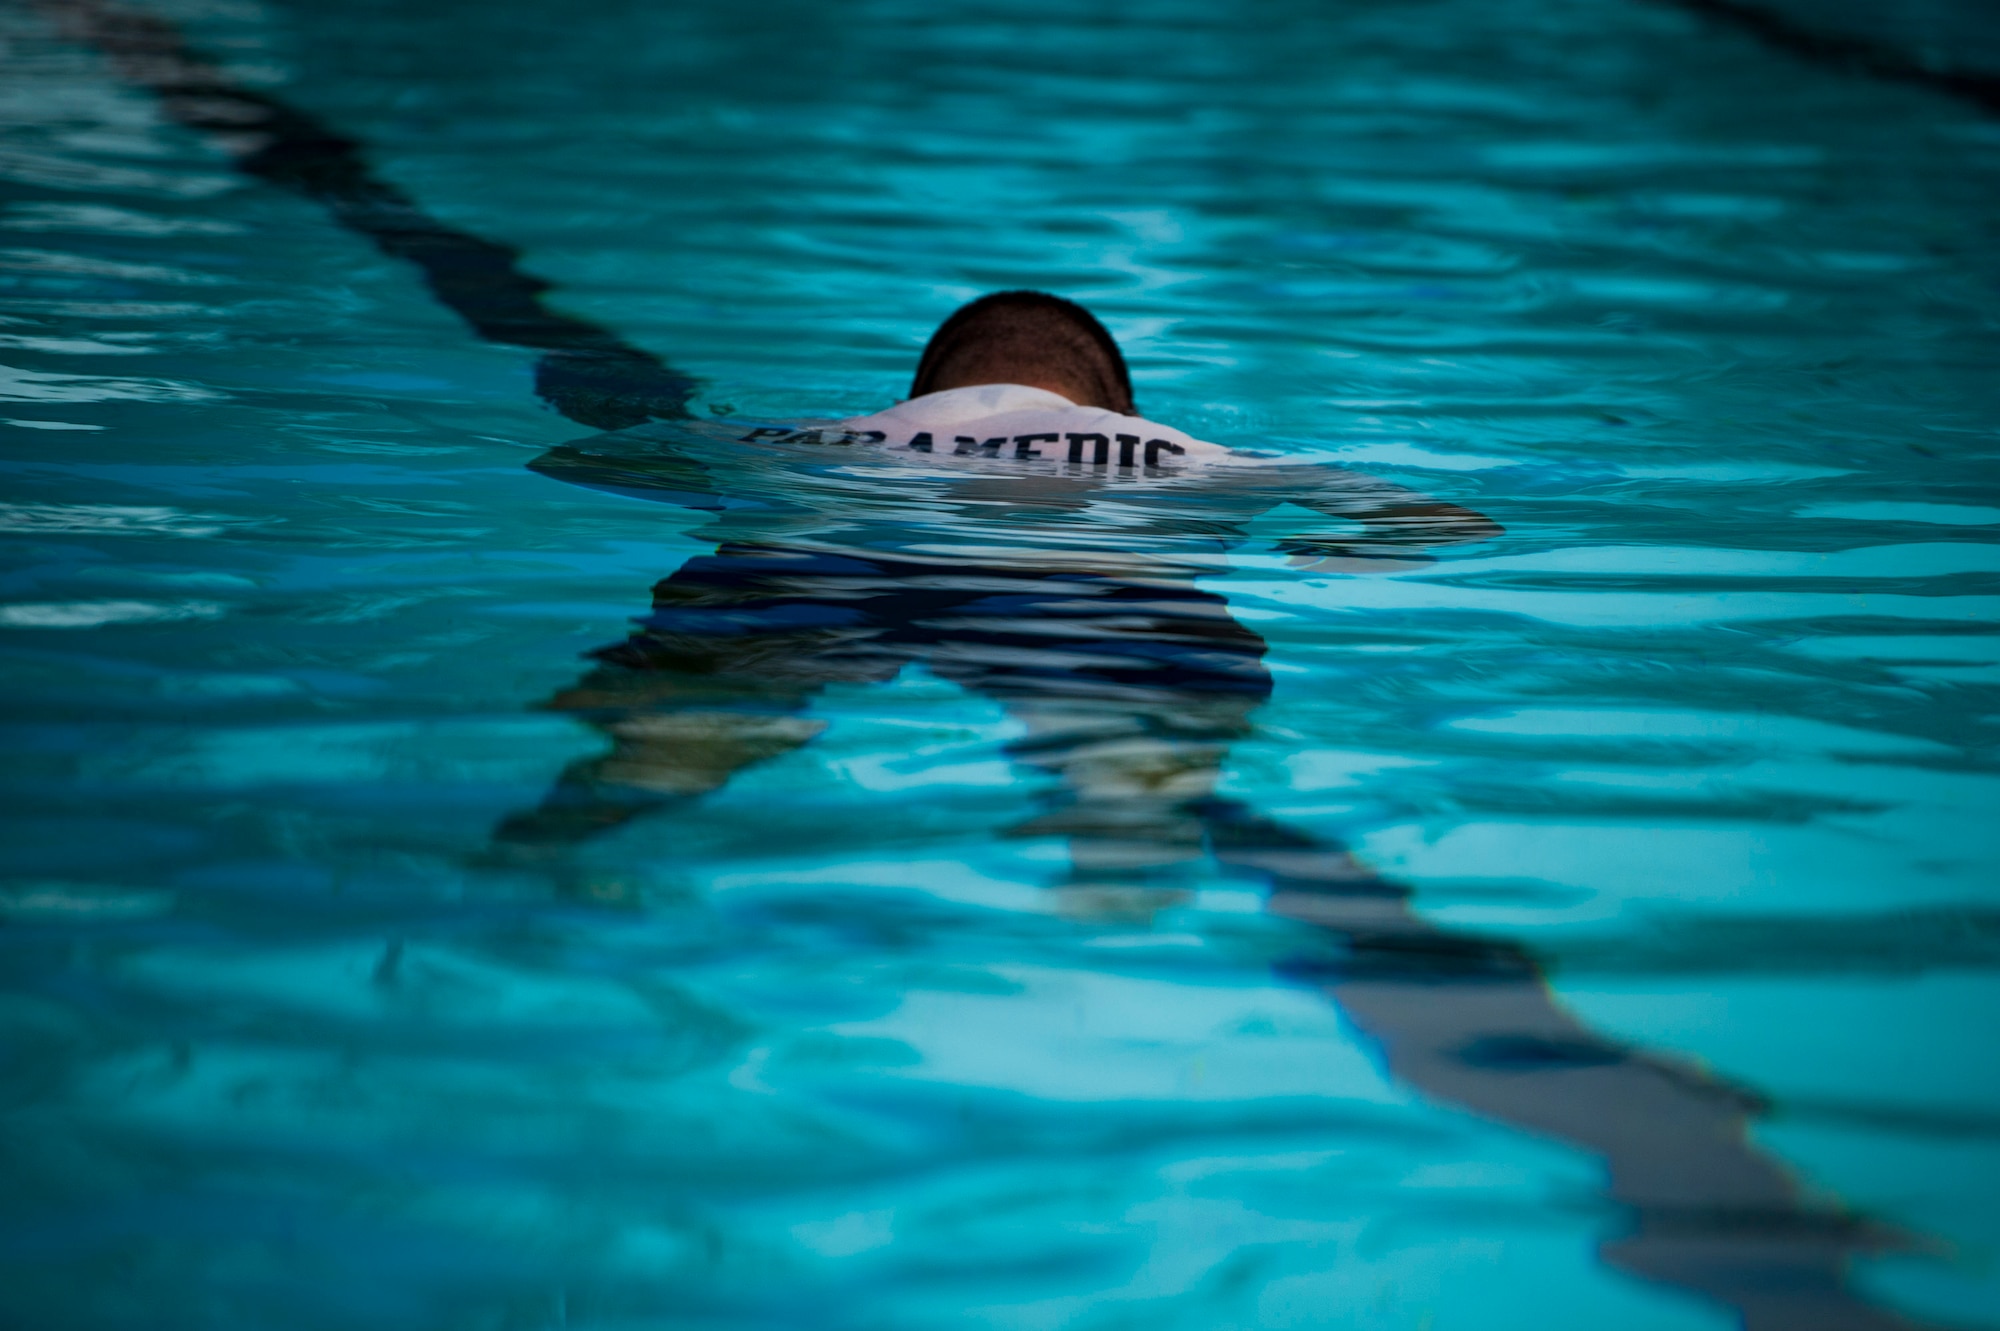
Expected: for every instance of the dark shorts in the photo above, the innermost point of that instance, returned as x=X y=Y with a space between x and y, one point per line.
x=774 y=615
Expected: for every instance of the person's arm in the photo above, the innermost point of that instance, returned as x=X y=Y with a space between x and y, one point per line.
x=662 y=462
x=1396 y=524
x=662 y=478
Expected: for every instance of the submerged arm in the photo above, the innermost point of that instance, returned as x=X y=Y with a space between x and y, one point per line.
x=1397 y=523
x=666 y=462
x=663 y=477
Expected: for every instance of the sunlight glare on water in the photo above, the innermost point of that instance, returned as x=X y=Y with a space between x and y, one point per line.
x=292 y=1034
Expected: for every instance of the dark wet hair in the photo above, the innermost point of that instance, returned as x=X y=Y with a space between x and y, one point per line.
x=1014 y=335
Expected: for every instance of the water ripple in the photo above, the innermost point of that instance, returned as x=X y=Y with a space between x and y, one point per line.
x=896 y=1027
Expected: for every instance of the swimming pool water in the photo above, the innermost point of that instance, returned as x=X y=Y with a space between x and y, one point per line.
x=292 y=1035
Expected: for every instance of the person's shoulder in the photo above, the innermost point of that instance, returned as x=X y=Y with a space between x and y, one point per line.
x=1019 y=412
x=961 y=406
x=1154 y=436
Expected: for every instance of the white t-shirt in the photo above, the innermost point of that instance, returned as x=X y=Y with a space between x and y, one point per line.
x=997 y=473
x=1012 y=422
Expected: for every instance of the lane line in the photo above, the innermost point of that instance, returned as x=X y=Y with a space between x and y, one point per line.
x=586 y=372
x=1848 y=52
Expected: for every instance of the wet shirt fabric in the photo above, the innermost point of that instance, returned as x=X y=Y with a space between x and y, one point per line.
x=1032 y=424
x=1000 y=475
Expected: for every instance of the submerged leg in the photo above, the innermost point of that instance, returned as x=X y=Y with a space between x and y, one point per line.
x=670 y=742
x=738 y=645
x=1133 y=779
x=1130 y=693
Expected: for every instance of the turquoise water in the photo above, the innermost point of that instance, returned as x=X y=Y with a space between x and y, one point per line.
x=1692 y=771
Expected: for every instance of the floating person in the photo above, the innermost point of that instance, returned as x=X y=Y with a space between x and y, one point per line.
x=1017 y=528
x=1013 y=526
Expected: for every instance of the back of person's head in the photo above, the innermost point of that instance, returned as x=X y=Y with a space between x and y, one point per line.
x=1027 y=337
